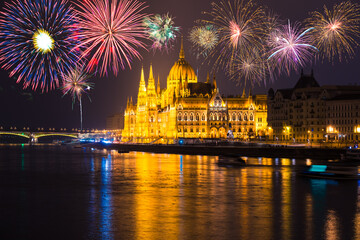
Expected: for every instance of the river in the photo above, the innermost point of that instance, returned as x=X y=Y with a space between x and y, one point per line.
x=57 y=192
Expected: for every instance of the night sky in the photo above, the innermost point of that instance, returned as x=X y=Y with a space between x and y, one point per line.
x=24 y=108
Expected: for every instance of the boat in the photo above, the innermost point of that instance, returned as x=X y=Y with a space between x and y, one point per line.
x=352 y=154
x=231 y=160
x=331 y=172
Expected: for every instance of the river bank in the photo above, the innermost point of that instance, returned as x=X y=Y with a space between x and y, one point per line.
x=249 y=151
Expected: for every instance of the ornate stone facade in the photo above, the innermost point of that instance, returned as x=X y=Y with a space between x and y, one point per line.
x=313 y=113
x=191 y=109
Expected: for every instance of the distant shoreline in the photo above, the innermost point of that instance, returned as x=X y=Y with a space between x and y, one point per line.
x=249 y=151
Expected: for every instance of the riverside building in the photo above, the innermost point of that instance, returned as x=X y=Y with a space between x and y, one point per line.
x=313 y=113
x=187 y=108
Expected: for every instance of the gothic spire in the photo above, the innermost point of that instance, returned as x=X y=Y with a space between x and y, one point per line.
x=151 y=81
x=182 y=54
x=158 y=85
x=214 y=82
x=142 y=86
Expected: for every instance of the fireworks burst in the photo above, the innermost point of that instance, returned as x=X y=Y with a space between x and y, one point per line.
x=76 y=84
x=291 y=47
x=241 y=26
x=336 y=31
x=249 y=69
x=111 y=32
x=161 y=31
x=36 y=39
x=204 y=38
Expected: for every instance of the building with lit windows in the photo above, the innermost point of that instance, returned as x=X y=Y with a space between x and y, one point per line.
x=313 y=113
x=187 y=108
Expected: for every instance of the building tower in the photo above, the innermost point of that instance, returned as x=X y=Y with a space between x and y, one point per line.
x=141 y=109
x=151 y=105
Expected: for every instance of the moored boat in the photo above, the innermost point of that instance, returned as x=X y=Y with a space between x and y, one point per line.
x=331 y=172
x=231 y=160
x=351 y=154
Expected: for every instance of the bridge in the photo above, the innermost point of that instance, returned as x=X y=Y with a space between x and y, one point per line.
x=34 y=136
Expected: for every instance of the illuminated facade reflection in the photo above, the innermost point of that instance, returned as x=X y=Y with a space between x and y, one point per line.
x=164 y=196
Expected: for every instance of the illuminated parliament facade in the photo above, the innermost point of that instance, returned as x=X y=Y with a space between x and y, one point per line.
x=187 y=108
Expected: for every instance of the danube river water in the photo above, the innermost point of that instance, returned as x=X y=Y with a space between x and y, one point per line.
x=54 y=192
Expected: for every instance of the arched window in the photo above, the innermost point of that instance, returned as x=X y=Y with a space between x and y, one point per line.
x=251 y=117
x=233 y=117
x=224 y=117
x=191 y=117
x=179 y=117
x=197 y=117
x=185 y=117
x=240 y=117
x=245 y=117
x=152 y=118
x=203 y=117
x=211 y=117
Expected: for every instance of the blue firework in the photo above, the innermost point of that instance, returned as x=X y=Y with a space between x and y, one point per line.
x=37 y=41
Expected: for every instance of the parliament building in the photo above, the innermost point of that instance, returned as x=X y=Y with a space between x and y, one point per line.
x=187 y=108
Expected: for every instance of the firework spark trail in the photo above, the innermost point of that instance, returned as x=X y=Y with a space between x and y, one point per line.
x=291 y=47
x=204 y=38
x=36 y=39
x=337 y=31
x=161 y=30
x=76 y=83
x=249 y=69
x=112 y=33
x=241 y=26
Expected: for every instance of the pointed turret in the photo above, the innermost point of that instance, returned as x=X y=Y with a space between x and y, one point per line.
x=131 y=101
x=207 y=78
x=142 y=86
x=151 y=81
x=214 y=82
x=182 y=53
x=127 y=104
x=158 y=85
x=250 y=92
x=186 y=84
x=243 y=94
x=151 y=93
x=141 y=99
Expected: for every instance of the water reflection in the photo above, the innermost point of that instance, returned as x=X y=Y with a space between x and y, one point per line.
x=163 y=196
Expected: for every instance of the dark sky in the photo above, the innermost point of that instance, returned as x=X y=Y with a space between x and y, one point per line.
x=24 y=108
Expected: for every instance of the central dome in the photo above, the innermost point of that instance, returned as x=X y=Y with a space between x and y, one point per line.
x=181 y=71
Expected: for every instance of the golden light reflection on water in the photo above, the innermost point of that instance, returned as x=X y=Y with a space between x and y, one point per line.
x=191 y=197
x=108 y=195
x=332 y=226
x=357 y=215
x=286 y=199
x=157 y=214
x=308 y=215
